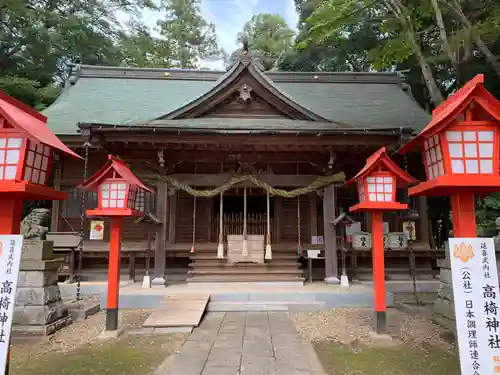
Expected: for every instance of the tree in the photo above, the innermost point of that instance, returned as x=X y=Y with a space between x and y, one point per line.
x=190 y=37
x=39 y=38
x=268 y=36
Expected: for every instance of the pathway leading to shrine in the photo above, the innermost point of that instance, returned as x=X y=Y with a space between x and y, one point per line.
x=245 y=343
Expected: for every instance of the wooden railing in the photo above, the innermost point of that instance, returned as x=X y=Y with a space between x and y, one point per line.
x=233 y=224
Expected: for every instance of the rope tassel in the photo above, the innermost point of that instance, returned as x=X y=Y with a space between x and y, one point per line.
x=193 y=249
x=220 y=247
x=268 y=255
x=244 y=250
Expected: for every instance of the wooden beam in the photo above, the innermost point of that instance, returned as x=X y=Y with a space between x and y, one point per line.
x=330 y=236
x=210 y=180
x=56 y=205
x=162 y=213
x=424 y=220
x=172 y=217
x=313 y=214
x=278 y=214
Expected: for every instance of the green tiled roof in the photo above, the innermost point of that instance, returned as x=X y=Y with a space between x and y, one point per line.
x=123 y=96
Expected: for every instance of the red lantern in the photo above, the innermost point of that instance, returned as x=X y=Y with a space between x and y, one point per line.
x=26 y=149
x=460 y=145
x=117 y=189
x=376 y=184
x=460 y=148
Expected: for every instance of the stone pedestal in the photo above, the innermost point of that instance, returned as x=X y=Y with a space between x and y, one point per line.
x=39 y=309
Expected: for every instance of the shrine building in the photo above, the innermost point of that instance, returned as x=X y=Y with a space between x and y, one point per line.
x=246 y=167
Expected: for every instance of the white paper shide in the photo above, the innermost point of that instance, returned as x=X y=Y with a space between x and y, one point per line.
x=476 y=294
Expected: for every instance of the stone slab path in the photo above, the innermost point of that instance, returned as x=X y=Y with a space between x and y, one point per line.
x=244 y=343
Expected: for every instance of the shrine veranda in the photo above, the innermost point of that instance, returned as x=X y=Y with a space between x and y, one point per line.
x=188 y=133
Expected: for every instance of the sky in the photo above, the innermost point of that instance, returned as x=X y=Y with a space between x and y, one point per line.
x=229 y=16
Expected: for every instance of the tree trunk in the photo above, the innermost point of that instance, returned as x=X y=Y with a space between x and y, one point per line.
x=442 y=33
x=402 y=14
x=460 y=17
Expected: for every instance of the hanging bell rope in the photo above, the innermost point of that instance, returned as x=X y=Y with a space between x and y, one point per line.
x=320 y=182
x=268 y=254
x=220 y=247
x=244 y=250
x=193 y=249
x=299 y=245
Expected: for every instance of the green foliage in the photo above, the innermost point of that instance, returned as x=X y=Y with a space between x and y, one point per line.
x=487 y=212
x=40 y=38
x=268 y=36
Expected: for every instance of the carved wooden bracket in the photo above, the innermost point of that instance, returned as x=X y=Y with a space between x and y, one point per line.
x=245 y=94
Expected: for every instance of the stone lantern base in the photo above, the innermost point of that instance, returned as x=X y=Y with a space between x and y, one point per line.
x=39 y=309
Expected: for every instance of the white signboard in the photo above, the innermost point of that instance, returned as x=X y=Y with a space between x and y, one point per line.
x=476 y=294
x=10 y=257
x=353 y=228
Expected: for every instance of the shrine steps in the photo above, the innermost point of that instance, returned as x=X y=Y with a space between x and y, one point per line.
x=245 y=278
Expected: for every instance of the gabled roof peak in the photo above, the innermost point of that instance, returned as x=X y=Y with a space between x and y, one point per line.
x=381 y=159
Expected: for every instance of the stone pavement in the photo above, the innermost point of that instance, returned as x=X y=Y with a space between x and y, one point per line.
x=244 y=343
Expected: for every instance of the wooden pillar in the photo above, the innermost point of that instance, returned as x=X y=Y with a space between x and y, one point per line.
x=56 y=205
x=278 y=214
x=368 y=222
x=161 y=234
x=209 y=204
x=424 y=220
x=172 y=217
x=313 y=215
x=330 y=235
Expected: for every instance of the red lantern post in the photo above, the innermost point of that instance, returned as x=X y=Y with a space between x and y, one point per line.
x=26 y=155
x=376 y=184
x=117 y=188
x=461 y=152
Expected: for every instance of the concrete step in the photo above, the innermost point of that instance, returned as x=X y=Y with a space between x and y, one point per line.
x=227 y=306
x=263 y=277
x=243 y=271
x=274 y=265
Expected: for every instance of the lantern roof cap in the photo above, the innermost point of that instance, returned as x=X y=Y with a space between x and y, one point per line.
x=381 y=159
x=117 y=165
x=453 y=105
x=30 y=121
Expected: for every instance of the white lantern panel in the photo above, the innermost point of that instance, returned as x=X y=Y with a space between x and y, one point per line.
x=470 y=150
x=485 y=136
x=370 y=179
x=122 y=186
x=439 y=156
x=486 y=150
x=469 y=136
x=454 y=136
x=30 y=158
x=46 y=150
x=10 y=172
x=428 y=157
x=371 y=188
x=441 y=168
x=486 y=166
x=112 y=203
x=455 y=150
x=471 y=166
x=104 y=187
x=121 y=194
x=120 y=203
x=430 y=173
x=457 y=166
x=114 y=194
x=32 y=145
x=388 y=188
x=38 y=161
x=45 y=164
x=12 y=157
x=105 y=203
x=105 y=193
x=34 y=176
x=380 y=180
x=2 y=156
x=388 y=197
x=14 y=142
x=3 y=142
x=431 y=142
x=42 y=177
x=372 y=197
x=433 y=155
x=27 y=173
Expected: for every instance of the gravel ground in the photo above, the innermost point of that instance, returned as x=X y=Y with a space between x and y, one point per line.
x=77 y=334
x=350 y=326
